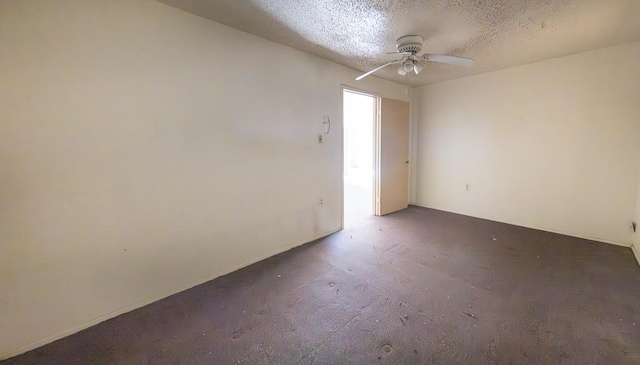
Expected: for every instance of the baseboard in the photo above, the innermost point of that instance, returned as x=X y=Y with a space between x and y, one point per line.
x=636 y=253
x=97 y=320
x=590 y=238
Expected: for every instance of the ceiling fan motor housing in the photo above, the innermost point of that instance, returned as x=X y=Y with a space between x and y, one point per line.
x=409 y=43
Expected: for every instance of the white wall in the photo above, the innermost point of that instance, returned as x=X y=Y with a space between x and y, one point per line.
x=144 y=150
x=552 y=145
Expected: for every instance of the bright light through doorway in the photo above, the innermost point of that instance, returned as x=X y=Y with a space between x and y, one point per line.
x=359 y=125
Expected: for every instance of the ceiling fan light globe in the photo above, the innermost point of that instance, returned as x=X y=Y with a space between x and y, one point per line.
x=417 y=67
x=407 y=66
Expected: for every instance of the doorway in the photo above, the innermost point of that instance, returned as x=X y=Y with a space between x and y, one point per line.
x=360 y=115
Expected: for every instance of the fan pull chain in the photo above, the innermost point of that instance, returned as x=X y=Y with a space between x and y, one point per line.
x=406 y=90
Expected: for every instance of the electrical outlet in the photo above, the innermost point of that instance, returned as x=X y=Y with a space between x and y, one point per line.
x=320 y=138
x=320 y=201
x=468 y=187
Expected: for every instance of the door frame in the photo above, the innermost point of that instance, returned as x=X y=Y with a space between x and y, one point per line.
x=375 y=200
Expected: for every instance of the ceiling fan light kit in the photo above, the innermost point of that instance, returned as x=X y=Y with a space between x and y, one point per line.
x=409 y=46
x=407 y=66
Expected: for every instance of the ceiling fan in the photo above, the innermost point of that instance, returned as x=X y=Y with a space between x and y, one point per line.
x=409 y=46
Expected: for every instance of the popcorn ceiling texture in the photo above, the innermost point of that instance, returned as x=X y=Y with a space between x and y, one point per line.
x=496 y=33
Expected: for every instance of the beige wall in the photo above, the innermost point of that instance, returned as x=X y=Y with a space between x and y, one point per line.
x=551 y=145
x=144 y=150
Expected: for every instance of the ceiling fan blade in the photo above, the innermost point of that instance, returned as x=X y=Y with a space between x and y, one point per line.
x=402 y=53
x=376 y=69
x=452 y=60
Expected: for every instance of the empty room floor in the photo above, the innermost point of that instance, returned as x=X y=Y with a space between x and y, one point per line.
x=415 y=287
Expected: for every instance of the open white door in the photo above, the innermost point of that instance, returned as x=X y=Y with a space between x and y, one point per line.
x=392 y=188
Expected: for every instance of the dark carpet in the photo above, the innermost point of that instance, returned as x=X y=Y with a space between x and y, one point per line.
x=415 y=287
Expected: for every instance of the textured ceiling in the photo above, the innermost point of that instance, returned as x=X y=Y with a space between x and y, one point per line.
x=496 y=33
